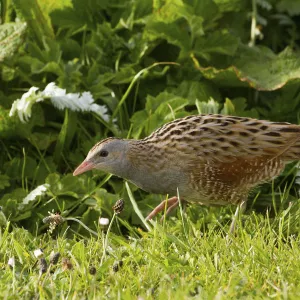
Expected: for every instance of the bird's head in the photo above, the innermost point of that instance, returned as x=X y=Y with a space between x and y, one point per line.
x=107 y=155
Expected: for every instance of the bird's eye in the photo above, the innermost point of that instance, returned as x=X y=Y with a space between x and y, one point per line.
x=103 y=153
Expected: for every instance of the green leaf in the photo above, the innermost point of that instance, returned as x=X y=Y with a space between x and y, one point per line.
x=210 y=107
x=11 y=38
x=37 y=19
x=216 y=42
x=197 y=90
x=10 y=202
x=4 y=181
x=292 y=7
x=12 y=126
x=113 y=47
x=65 y=136
x=196 y=26
x=105 y=200
x=45 y=166
x=8 y=73
x=240 y=108
x=69 y=185
x=20 y=166
x=207 y=9
x=49 y=52
x=80 y=14
x=3 y=220
x=159 y=110
x=174 y=33
x=230 y=5
x=125 y=75
x=42 y=140
x=258 y=68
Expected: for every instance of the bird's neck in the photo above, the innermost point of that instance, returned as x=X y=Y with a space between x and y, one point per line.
x=147 y=165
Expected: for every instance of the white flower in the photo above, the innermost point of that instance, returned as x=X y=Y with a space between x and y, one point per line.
x=103 y=221
x=38 y=253
x=74 y=101
x=40 y=190
x=23 y=106
x=11 y=262
x=60 y=99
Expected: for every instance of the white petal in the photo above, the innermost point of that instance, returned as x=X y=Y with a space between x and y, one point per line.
x=40 y=190
x=11 y=262
x=38 y=253
x=103 y=221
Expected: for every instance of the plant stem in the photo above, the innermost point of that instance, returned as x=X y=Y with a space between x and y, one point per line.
x=83 y=225
x=106 y=239
x=253 y=24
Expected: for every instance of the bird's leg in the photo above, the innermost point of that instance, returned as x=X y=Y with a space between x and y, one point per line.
x=169 y=203
x=239 y=211
x=170 y=208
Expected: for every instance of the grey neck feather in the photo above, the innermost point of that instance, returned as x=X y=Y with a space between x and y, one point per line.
x=159 y=180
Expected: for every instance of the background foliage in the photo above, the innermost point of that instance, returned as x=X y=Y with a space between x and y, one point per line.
x=148 y=62
x=234 y=56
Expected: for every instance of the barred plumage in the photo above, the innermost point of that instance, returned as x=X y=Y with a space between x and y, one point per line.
x=211 y=159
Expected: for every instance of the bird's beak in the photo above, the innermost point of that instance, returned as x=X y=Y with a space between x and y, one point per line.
x=83 y=167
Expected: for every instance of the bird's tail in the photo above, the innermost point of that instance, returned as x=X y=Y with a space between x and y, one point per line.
x=292 y=135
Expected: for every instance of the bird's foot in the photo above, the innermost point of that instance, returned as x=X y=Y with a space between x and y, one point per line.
x=239 y=211
x=168 y=204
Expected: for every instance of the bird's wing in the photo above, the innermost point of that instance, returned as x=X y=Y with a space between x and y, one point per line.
x=227 y=138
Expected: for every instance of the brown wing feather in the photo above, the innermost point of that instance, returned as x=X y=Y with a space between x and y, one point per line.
x=225 y=138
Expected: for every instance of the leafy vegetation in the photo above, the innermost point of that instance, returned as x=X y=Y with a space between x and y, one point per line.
x=144 y=63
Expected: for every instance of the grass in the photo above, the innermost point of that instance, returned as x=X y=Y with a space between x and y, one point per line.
x=174 y=260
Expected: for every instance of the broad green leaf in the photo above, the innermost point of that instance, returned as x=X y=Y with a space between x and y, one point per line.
x=8 y=73
x=23 y=215
x=168 y=11
x=240 y=108
x=13 y=127
x=51 y=67
x=43 y=59
x=282 y=105
x=197 y=90
x=49 y=52
x=291 y=6
x=43 y=140
x=3 y=220
x=11 y=201
x=105 y=200
x=125 y=75
x=80 y=14
x=142 y=8
x=69 y=185
x=210 y=107
x=45 y=166
x=207 y=9
x=11 y=38
x=257 y=68
x=196 y=26
x=228 y=108
x=49 y=6
x=217 y=42
x=21 y=251
x=174 y=33
x=61 y=139
x=159 y=110
x=4 y=181
x=65 y=136
x=20 y=168
x=230 y=5
x=37 y=19
x=112 y=46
